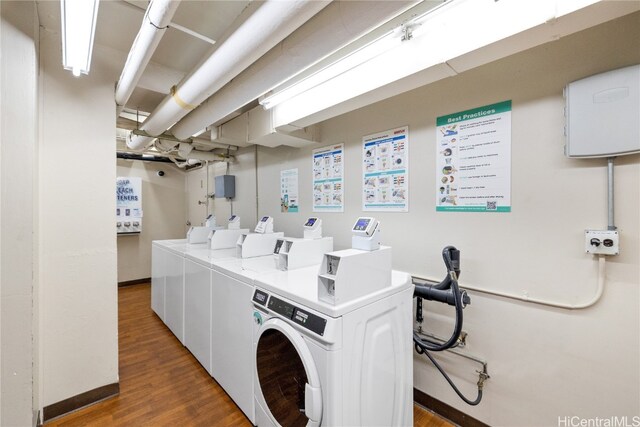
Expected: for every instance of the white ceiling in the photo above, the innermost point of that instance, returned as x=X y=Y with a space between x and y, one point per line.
x=178 y=53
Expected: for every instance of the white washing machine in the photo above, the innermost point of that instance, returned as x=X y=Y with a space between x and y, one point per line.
x=159 y=250
x=174 y=286
x=198 y=293
x=319 y=364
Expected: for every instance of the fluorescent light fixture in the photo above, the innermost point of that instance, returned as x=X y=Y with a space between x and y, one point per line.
x=358 y=57
x=78 y=28
x=447 y=32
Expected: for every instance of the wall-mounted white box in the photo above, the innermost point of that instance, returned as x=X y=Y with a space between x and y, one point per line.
x=602 y=114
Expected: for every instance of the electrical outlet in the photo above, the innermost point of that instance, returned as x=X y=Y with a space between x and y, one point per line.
x=601 y=242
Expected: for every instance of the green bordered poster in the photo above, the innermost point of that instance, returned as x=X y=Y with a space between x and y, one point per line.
x=385 y=171
x=328 y=179
x=473 y=160
x=289 y=190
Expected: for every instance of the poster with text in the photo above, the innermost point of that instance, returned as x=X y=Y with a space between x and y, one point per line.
x=289 y=190
x=385 y=170
x=473 y=160
x=328 y=179
x=128 y=197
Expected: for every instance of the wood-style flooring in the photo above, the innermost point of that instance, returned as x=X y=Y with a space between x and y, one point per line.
x=161 y=383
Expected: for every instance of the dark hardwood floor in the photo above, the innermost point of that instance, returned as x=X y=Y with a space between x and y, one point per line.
x=161 y=383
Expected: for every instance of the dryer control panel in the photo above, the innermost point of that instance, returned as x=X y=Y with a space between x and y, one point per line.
x=291 y=312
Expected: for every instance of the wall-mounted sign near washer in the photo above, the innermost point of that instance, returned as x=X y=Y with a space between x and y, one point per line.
x=328 y=179
x=473 y=160
x=385 y=171
x=289 y=190
x=129 y=205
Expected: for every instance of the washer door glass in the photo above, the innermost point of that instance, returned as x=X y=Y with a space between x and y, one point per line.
x=282 y=378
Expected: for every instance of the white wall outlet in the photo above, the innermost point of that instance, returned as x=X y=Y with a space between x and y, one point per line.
x=601 y=242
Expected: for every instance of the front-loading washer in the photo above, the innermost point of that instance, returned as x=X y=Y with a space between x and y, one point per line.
x=317 y=364
x=231 y=331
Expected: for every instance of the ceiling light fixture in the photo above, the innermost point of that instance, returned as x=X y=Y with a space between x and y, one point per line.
x=448 y=31
x=360 y=56
x=78 y=19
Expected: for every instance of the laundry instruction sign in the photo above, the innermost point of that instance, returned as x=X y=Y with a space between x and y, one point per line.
x=385 y=171
x=473 y=160
x=328 y=179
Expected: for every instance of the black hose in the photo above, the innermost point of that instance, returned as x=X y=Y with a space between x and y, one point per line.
x=451 y=257
x=453 y=386
x=453 y=269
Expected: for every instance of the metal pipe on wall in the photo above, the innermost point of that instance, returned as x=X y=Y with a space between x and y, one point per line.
x=611 y=225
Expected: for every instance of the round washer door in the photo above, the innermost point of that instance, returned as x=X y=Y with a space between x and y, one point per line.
x=289 y=385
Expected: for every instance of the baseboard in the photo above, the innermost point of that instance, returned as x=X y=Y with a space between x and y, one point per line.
x=449 y=412
x=79 y=401
x=135 y=282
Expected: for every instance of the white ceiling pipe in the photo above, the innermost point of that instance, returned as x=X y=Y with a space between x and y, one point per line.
x=184 y=149
x=261 y=26
x=154 y=24
x=337 y=25
x=204 y=156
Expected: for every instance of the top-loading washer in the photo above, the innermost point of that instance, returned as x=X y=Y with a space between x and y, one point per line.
x=198 y=267
x=169 y=261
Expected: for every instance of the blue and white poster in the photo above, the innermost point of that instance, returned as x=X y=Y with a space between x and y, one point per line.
x=328 y=179
x=129 y=197
x=289 y=190
x=473 y=160
x=385 y=170
x=129 y=205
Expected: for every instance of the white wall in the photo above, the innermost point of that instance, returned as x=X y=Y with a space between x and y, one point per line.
x=196 y=189
x=544 y=363
x=18 y=85
x=78 y=280
x=244 y=204
x=164 y=208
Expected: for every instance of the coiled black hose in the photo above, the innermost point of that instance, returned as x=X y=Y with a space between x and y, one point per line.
x=451 y=257
x=453 y=270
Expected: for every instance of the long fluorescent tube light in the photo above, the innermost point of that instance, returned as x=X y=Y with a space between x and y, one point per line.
x=78 y=19
x=373 y=49
x=447 y=32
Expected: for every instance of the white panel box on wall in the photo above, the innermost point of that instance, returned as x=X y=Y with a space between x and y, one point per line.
x=602 y=114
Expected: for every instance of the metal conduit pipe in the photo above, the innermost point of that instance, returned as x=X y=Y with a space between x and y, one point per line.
x=261 y=26
x=155 y=22
x=141 y=157
x=334 y=27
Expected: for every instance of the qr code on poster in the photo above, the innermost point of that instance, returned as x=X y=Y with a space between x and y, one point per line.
x=492 y=206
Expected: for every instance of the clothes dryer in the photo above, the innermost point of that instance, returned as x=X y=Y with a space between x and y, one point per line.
x=231 y=330
x=321 y=364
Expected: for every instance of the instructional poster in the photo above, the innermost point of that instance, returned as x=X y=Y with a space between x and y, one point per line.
x=385 y=170
x=473 y=160
x=289 y=190
x=328 y=179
